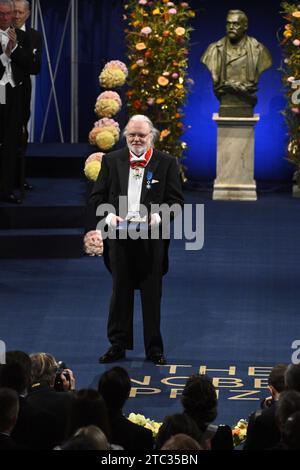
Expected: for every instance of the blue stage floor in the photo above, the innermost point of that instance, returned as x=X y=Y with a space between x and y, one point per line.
x=234 y=303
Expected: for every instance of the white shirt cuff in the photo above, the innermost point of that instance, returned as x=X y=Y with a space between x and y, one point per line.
x=108 y=218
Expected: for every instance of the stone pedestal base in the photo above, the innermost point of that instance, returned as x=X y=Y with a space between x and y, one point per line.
x=296 y=190
x=235 y=158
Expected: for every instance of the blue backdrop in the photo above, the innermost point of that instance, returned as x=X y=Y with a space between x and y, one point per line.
x=101 y=38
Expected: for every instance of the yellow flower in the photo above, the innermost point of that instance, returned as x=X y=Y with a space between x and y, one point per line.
x=92 y=169
x=107 y=107
x=140 y=46
x=296 y=14
x=135 y=23
x=288 y=34
x=164 y=133
x=112 y=78
x=180 y=31
x=160 y=100
x=179 y=86
x=105 y=140
x=156 y=11
x=162 y=81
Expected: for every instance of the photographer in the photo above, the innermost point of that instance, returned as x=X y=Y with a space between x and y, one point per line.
x=52 y=389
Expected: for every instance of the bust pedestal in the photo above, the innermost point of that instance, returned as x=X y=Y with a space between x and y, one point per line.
x=235 y=158
x=296 y=190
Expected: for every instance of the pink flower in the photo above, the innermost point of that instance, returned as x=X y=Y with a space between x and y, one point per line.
x=143 y=2
x=175 y=75
x=184 y=5
x=150 y=101
x=104 y=122
x=290 y=79
x=110 y=95
x=140 y=62
x=295 y=110
x=93 y=243
x=172 y=11
x=146 y=30
x=170 y=4
x=296 y=42
x=116 y=64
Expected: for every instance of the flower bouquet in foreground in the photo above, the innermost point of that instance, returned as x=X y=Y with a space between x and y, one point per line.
x=147 y=423
x=239 y=432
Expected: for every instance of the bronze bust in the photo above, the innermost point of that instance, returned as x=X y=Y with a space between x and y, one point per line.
x=236 y=62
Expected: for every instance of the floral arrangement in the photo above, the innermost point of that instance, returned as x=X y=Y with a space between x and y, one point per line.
x=157 y=39
x=291 y=78
x=113 y=75
x=93 y=243
x=147 y=423
x=108 y=104
x=92 y=166
x=239 y=432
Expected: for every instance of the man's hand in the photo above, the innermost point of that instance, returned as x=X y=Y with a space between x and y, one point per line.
x=68 y=380
x=154 y=220
x=115 y=220
x=12 y=36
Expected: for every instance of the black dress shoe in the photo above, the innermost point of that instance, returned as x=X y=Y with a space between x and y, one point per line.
x=27 y=186
x=11 y=198
x=114 y=353
x=157 y=358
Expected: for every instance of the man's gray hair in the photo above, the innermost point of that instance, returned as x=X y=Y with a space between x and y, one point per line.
x=26 y=3
x=142 y=118
x=241 y=13
x=6 y=2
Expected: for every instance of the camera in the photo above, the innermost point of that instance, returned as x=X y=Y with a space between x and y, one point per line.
x=58 y=385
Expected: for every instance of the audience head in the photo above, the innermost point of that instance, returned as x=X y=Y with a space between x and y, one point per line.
x=291 y=432
x=9 y=409
x=6 y=14
x=276 y=380
x=199 y=399
x=16 y=373
x=87 y=438
x=181 y=442
x=288 y=403
x=88 y=408
x=177 y=424
x=43 y=368
x=114 y=386
x=292 y=377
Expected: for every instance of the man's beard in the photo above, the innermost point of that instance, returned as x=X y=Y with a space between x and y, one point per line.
x=138 y=149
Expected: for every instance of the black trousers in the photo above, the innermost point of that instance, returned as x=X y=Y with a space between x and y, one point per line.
x=10 y=132
x=136 y=264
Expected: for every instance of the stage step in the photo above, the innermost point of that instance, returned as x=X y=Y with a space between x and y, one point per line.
x=41 y=243
x=57 y=160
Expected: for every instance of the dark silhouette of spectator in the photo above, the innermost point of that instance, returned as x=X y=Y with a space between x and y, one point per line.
x=291 y=432
x=9 y=409
x=288 y=404
x=86 y=438
x=292 y=377
x=88 y=408
x=177 y=424
x=42 y=394
x=114 y=386
x=34 y=429
x=199 y=400
x=262 y=431
x=181 y=442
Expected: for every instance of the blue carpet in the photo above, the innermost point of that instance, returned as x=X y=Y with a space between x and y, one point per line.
x=234 y=303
